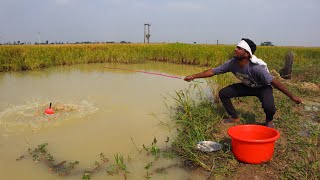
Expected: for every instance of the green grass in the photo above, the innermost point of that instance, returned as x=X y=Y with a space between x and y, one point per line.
x=119 y=161
x=30 y=57
x=118 y=167
x=197 y=120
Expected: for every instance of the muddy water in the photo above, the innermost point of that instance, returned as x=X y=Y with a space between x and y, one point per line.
x=97 y=110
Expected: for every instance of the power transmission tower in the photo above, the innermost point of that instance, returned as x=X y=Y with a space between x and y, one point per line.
x=147 y=35
x=39 y=39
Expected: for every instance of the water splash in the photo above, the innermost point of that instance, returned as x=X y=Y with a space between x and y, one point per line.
x=31 y=114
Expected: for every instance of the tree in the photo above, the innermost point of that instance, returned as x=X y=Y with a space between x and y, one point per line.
x=267 y=43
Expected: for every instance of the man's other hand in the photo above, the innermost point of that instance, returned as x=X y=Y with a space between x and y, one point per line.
x=188 y=78
x=296 y=99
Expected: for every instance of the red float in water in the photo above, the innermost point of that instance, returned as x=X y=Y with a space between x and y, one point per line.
x=49 y=110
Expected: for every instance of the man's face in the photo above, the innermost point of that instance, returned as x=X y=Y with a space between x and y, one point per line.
x=240 y=53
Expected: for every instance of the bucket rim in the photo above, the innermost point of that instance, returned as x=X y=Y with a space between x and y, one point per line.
x=254 y=141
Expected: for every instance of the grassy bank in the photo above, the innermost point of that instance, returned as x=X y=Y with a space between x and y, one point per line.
x=296 y=156
x=30 y=57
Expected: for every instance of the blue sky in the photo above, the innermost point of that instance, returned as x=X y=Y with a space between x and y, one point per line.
x=283 y=22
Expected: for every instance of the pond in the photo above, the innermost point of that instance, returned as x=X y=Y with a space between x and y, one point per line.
x=99 y=108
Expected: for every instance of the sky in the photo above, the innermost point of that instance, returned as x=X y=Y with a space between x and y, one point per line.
x=283 y=22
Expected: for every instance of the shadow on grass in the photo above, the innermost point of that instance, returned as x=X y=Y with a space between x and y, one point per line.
x=245 y=116
x=248 y=118
x=226 y=142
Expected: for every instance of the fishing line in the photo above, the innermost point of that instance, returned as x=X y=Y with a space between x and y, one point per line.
x=153 y=73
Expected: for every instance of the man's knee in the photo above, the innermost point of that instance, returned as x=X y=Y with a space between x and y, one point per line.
x=231 y=91
x=222 y=93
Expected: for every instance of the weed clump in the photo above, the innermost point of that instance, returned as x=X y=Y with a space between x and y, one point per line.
x=41 y=154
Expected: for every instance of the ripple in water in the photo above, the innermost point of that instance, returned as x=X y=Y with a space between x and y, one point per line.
x=31 y=114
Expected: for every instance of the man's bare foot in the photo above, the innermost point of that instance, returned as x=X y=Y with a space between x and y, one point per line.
x=231 y=120
x=270 y=124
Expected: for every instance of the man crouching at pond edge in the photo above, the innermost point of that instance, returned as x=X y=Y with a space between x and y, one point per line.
x=255 y=81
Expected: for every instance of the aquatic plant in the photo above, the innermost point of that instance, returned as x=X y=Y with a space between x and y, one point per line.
x=154 y=150
x=98 y=165
x=119 y=161
x=147 y=167
x=118 y=167
x=41 y=154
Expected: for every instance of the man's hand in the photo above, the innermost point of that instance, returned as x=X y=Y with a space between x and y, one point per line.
x=189 y=78
x=204 y=74
x=296 y=99
x=283 y=89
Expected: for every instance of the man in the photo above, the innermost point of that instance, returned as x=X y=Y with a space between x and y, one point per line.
x=256 y=81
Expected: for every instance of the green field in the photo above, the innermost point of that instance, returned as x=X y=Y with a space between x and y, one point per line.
x=31 y=57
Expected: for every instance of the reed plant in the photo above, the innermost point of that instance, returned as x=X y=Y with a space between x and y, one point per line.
x=194 y=122
x=118 y=167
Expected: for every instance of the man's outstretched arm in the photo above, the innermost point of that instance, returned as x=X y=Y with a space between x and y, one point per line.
x=283 y=89
x=204 y=74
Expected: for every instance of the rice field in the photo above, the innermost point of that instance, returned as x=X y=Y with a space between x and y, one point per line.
x=31 y=57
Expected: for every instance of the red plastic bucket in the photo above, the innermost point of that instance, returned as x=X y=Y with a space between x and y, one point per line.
x=253 y=143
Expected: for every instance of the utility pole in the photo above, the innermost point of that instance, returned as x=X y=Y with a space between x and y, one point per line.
x=147 y=35
x=39 y=40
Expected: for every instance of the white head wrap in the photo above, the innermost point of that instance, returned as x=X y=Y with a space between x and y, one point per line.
x=243 y=44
